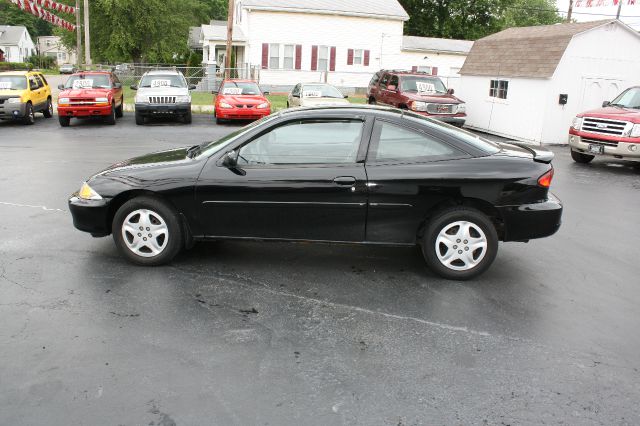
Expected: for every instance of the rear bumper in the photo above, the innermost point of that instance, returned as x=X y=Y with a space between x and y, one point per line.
x=242 y=113
x=530 y=221
x=84 y=111
x=90 y=216
x=10 y=111
x=617 y=149
x=163 y=109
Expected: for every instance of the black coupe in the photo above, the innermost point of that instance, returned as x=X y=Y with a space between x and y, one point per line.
x=367 y=175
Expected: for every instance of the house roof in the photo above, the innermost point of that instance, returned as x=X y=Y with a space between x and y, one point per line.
x=389 y=9
x=430 y=44
x=530 y=52
x=10 y=35
x=219 y=32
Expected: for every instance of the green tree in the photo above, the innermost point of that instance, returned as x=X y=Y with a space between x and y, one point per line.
x=525 y=13
x=11 y=15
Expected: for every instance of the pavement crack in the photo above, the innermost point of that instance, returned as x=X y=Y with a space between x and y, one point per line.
x=45 y=208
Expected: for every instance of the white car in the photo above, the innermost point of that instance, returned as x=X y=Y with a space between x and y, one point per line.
x=163 y=93
x=315 y=94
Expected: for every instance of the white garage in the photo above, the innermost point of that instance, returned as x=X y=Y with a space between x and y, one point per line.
x=528 y=83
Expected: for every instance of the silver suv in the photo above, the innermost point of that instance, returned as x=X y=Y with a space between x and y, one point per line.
x=163 y=93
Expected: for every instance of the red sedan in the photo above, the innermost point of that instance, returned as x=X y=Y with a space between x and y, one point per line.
x=240 y=100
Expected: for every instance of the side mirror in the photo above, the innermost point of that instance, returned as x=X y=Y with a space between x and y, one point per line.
x=346 y=96
x=192 y=87
x=61 y=86
x=266 y=93
x=134 y=87
x=606 y=104
x=230 y=160
x=117 y=85
x=450 y=92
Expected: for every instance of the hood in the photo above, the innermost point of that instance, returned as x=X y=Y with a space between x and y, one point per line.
x=163 y=91
x=11 y=93
x=323 y=101
x=443 y=98
x=155 y=159
x=615 y=113
x=243 y=99
x=84 y=93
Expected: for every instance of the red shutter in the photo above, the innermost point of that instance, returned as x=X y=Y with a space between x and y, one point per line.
x=314 y=58
x=434 y=70
x=366 y=58
x=265 y=56
x=414 y=68
x=298 y=56
x=332 y=59
x=349 y=56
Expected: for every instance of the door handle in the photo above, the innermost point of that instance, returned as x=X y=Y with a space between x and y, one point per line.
x=345 y=180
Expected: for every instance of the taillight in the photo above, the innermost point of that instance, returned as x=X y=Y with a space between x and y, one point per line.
x=545 y=180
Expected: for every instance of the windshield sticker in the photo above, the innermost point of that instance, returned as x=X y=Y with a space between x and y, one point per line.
x=232 y=91
x=5 y=85
x=160 y=83
x=424 y=87
x=83 y=84
x=311 y=94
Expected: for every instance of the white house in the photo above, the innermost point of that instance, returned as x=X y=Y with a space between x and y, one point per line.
x=16 y=43
x=528 y=83
x=282 y=42
x=52 y=46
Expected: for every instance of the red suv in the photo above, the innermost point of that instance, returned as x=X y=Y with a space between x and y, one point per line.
x=423 y=93
x=613 y=130
x=240 y=100
x=90 y=94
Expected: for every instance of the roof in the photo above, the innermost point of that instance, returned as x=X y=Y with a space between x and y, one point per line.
x=11 y=35
x=389 y=9
x=163 y=71
x=430 y=44
x=530 y=52
x=219 y=32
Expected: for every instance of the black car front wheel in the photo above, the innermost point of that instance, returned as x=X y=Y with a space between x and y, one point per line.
x=147 y=231
x=460 y=243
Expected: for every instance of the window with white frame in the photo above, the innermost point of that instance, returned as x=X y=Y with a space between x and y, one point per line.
x=358 y=56
x=426 y=69
x=274 y=56
x=499 y=89
x=323 y=58
x=288 y=57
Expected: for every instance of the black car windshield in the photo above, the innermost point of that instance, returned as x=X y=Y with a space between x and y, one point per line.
x=13 y=82
x=320 y=91
x=88 y=81
x=630 y=98
x=474 y=140
x=240 y=88
x=419 y=84
x=208 y=148
x=163 y=80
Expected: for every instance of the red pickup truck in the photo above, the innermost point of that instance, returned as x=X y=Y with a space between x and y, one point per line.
x=610 y=131
x=90 y=94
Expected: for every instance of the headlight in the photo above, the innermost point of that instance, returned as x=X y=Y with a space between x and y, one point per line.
x=224 y=105
x=418 y=106
x=183 y=99
x=63 y=101
x=14 y=100
x=577 y=123
x=462 y=108
x=87 y=193
x=102 y=100
x=635 y=131
x=263 y=105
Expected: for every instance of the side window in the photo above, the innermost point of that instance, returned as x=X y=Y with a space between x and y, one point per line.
x=394 y=81
x=44 y=80
x=374 y=79
x=384 y=81
x=33 y=83
x=393 y=142
x=296 y=90
x=305 y=142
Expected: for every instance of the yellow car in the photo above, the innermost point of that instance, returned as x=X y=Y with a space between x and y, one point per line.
x=22 y=94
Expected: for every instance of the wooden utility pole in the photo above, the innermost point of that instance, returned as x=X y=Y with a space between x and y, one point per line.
x=78 y=36
x=87 y=39
x=227 y=60
x=570 y=11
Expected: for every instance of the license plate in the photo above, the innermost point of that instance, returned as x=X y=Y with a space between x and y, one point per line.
x=596 y=149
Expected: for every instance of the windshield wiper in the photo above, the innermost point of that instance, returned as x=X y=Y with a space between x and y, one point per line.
x=193 y=151
x=618 y=105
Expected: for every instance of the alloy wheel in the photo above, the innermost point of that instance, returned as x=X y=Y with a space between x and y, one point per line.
x=461 y=245
x=145 y=233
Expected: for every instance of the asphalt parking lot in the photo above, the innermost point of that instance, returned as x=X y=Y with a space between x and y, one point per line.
x=248 y=333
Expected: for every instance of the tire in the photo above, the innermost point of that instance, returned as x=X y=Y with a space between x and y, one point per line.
x=139 y=119
x=445 y=253
x=581 y=158
x=187 y=118
x=29 y=117
x=167 y=240
x=111 y=118
x=219 y=120
x=372 y=101
x=287 y=104
x=48 y=111
x=119 y=110
x=64 y=121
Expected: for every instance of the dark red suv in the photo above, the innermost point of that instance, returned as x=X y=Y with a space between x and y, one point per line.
x=418 y=91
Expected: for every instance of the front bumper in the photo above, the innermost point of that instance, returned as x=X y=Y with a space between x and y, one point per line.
x=242 y=113
x=90 y=216
x=456 y=120
x=84 y=110
x=163 y=109
x=10 y=111
x=617 y=149
x=530 y=221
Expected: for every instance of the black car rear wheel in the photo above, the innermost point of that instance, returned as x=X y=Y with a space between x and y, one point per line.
x=147 y=231
x=460 y=243
x=581 y=158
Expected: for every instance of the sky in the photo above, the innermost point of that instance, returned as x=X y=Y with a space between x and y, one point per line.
x=630 y=14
